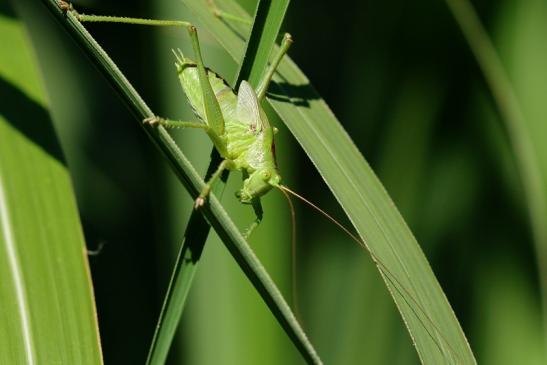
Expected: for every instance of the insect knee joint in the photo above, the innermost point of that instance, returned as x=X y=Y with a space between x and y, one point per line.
x=191 y=28
x=152 y=121
x=287 y=37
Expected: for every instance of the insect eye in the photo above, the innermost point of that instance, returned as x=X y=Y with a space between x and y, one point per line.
x=275 y=130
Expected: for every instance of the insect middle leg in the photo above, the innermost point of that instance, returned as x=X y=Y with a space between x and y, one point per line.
x=170 y=123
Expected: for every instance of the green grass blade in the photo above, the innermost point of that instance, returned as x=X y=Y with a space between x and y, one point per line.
x=179 y=285
x=434 y=328
x=193 y=183
x=266 y=25
x=265 y=28
x=46 y=299
x=519 y=129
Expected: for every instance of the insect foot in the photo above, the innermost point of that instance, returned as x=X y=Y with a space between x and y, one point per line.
x=200 y=201
x=152 y=121
x=216 y=11
x=65 y=6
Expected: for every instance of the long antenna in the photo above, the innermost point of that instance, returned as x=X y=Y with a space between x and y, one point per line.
x=293 y=254
x=397 y=285
x=326 y=215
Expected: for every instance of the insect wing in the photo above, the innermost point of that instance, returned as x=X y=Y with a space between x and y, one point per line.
x=248 y=110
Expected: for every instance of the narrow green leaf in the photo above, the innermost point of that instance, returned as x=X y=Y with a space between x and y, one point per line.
x=181 y=280
x=432 y=324
x=267 y=21
x=48 y=314
x=266 y=25
x=193 y=183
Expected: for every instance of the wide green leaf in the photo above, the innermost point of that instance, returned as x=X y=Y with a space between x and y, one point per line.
x=46 y=298
x=432 y=324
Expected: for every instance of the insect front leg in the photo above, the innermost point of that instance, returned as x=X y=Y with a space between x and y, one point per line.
x=200 y=201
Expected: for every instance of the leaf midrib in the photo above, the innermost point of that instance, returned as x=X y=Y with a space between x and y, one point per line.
x=16 y=274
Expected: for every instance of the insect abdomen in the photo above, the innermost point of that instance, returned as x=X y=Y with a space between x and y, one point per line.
x=189 y=80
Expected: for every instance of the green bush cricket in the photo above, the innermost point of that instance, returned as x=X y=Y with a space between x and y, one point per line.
x=236 y=123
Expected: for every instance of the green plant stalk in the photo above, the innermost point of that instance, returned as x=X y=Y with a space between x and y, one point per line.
x=511 y=113
x=195 y=236
x=193 y=183
x=267 y=22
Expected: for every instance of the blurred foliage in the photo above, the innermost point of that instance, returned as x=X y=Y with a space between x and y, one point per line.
x=404 y=83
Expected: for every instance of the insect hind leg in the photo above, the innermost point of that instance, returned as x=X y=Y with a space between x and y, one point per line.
x=213 y=113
